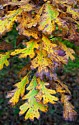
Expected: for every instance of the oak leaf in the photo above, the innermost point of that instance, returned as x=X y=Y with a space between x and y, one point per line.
x=69 y=52
x=29 y=50
x=48 y=45
x=19 y=91
x=6 y=23
x=27 y=24
x=31 y=32
x=73 y=11
x=61 y=87
x=53 y=51
x=69 y=113
x=47 y=19
x=31 y=107
x=27 y=7
x=46 y=94
x=41 y=61
x=3 y=59
x=65 y=2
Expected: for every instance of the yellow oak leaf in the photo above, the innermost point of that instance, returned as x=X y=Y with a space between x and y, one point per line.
x=61 y=87
x=32 y=84
x=41 y=61
x=46 y=94
x=48 y=16
x=74 y=12
x=7 y=22
x=48 y=45
x=3 y=59
x=28 y=51
x=69 y=52
x=19 y=91
x=31 y=87
x=32 y=107
x=52 y=50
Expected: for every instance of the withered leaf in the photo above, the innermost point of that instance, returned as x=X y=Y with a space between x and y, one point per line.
x=69 y=113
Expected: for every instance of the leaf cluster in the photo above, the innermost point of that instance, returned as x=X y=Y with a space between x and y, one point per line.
x=36 y=21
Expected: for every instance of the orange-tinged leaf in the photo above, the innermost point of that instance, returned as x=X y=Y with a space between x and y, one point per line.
x=28 y=51
x=27 y=24
x=26 y=21
x=34 y=21
x=33 y=32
